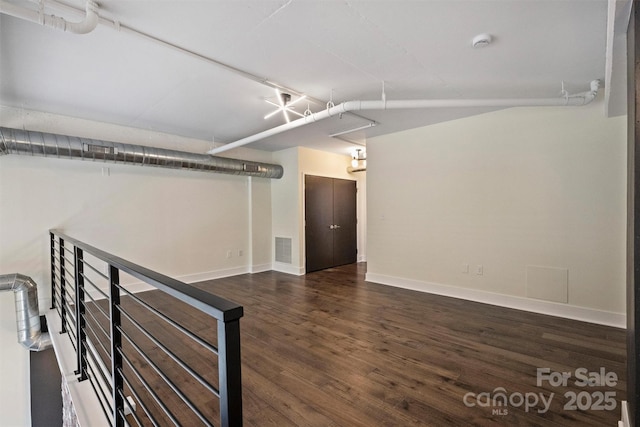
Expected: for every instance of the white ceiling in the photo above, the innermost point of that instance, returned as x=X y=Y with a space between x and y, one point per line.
x=330 y=48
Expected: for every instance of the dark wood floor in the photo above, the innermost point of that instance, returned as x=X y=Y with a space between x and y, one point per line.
x=329 y=349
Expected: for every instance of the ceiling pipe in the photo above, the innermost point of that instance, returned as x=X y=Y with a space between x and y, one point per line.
x=579 y=99
x=344 y=132
x=122 y=28
x=30 y=333
x=39 y=17
x=32 y=143
x=92 y=19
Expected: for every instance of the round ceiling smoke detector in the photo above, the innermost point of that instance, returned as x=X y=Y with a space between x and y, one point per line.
x=481 y=40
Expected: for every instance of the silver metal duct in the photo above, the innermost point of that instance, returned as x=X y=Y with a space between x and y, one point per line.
x=32 y=143
x=25 y=290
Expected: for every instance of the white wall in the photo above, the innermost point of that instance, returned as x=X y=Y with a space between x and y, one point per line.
x=288 y=198
x=285 y=209
x=14 y=369
x=260 y=232
x=180 y=223
x=362 y=216
x=505 y=190
x=176 y=222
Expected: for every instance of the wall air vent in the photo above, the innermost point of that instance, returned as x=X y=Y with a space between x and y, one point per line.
x=283 y=250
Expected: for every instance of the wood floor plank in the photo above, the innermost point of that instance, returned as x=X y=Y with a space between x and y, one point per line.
x=330 y=349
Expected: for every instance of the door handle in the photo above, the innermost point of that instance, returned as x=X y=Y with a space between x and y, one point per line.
x=332 y=227
x=336 y=227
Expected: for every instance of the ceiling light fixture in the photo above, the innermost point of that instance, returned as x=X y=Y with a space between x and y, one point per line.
x=285 y=105
x=358 y=161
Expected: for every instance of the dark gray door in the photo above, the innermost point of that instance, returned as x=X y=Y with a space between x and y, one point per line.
x=330 y=222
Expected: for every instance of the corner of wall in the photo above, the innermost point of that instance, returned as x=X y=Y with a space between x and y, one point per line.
x=289 y=269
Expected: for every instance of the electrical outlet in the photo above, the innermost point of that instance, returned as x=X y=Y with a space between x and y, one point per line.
x=479 y=270
x=465 y=268
x=229 y=254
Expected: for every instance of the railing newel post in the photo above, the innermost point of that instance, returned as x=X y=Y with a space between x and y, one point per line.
x=81 y=336
x=116 y=344
x=52 y=258
x=229 y=367
x=63 y=291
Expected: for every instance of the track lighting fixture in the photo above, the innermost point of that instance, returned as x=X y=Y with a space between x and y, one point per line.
x=285 y=105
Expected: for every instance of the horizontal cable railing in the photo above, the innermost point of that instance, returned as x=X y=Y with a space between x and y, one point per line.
x=146 y=366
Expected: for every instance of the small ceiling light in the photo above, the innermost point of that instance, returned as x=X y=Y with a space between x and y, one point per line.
x=358 y=161
x=285 y=105
x=481 y=40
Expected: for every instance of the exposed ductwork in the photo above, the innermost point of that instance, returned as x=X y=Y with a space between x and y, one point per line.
x=39 y=17
x=25 y=290
x=32 y=143
x=583 y=98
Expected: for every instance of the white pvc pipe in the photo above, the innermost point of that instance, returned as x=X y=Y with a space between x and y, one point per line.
x=573 y=100
x=39 y=17
x=344 y=132
x=122 y=28
x=118 y=26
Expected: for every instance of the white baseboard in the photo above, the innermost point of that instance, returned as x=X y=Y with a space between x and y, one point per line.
x=362 y=258
x=288 y=268
x=211 y=275
x=187 y=278
x=584 y=314
x=259 y=268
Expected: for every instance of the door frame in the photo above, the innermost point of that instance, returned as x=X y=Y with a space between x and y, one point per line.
x=303 y=231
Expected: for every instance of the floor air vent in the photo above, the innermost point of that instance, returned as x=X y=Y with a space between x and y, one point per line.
x=283 y=250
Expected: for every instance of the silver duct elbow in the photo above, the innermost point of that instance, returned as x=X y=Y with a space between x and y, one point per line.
x=25 y=290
